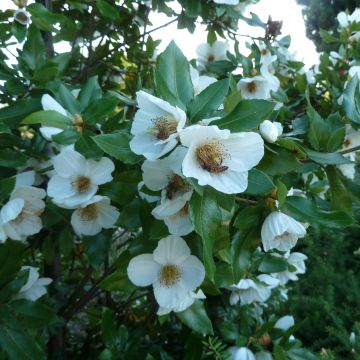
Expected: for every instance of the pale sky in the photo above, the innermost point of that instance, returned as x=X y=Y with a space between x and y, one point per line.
x=286 y=10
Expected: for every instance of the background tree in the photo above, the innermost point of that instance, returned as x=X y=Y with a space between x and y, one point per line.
x=321 y=14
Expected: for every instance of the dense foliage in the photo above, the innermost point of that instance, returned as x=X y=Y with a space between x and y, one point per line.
x=154 y=207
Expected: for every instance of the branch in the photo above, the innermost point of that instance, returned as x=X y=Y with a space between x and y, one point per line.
x=347 y=151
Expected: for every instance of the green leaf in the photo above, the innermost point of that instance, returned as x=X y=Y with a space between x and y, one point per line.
x=208 y=100
x=247 y=115
x=117 y=145
x=301 y=354
x=19 y=345
x=279 y=163
x=87 y=146
x=327 y=158
x=118 y=281
x=6 y=187
x=272 y=264
x=108 y=328
x=98 y=109
x=66 y=137
x=43 y=18
x=249 y=217
x=65 y=97
x=106 y=9
x=259 y=183
x=33 y=54
x=97 y=247
x=12 y=115
x=340 y=197
x=48 y=118
x=307 y=211
x=205 y=214
x=351 y=102
x=90 y=92
x=12 y=158
x=195 y=318
x=11 y=254
x=173 y=77
x=33 y=315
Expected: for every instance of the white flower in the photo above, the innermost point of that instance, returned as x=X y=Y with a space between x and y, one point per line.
x=94 y=215
x=281 y=232
x=348 y=170
x=26 y=178
x=270 y=131
x=208 y=53
x=296 y=262
x=242 y=353
x=179 y=224
x=155 y=126
x=165 y=174
x=22 y=16
x=265 y=55
x=257 y=87
x=35 y=285
x=20 y=215
x=76 y=179
x=248 y=291
x=200 y=83
x=343 y=19
x=220 y=159
x=355 y=16
x=172 y=271
x=285 y=323
x=267 y=71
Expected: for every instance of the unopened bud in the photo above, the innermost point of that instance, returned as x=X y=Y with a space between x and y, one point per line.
x=269 y=131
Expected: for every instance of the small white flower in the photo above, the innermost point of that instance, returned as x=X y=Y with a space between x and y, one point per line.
x=270 y=131
x=155 y=127
x=257 y=87
x=179 y=224
x=20 y=215
x=267 y=71
x=200 y=82
x=265 y=55
x=209 y=53
x=343 y=19
x=295 y=260
x=248 y=291
x=355 y=16
x=35 y=285
x=220 y=159
x=76 y=179
x=242 y=353
x=172 y=271
x=94 y=215
x=22 y=16
x=281 y=232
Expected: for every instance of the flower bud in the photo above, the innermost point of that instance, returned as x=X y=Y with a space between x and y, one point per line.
x=269 y=131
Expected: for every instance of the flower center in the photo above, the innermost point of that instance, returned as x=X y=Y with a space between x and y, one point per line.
x=89 y=212
x=251 y=87
x=22 y=17
x=211 y=157
x=264 y=52
x=164 y=126
x=282 y=236
x=169 y=275
x=82 y=183
x=176 y=184
x=211 y=58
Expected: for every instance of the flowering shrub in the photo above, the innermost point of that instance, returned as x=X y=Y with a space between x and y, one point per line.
x=161 y=199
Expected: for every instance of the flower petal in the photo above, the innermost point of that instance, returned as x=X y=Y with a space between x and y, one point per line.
x=171 y=250
x=143 y=270
x=193 y=273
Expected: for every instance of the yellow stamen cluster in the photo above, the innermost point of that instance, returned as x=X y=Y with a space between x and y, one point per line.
x=89 y=212
x=211 y=157
x=82 y=184
x=169 y=275
x=175 y=186
x=164 y=126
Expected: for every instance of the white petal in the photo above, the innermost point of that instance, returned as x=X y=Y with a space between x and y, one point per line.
x=60 y=187
x=29 y=225
x=108 y=215
x=285 y=323
x=26 y=178
x=69 y=163
x=193 y=273
x=84 y=227
x=294 y=227
x=11 y=210
x=169 y=207
x=156 y=174
x=179 y=224
x=143 y=270
x=48 y=103
x=268 y=131
x=171 y=250
x=170 y=297
x=198 y=134
x=100 y=171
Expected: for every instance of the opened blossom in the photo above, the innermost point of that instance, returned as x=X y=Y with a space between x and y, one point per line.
x=166 y=175
x=280 y=231
x=22 y=16
x=208 y=53
x=155 y=127
x=35 y=286
x=219 y=158
x=172 y=271
x=257 y=87
x=296 y=261
x=94 y=215
x=248 y=291
x=20 y=216
x=241 y=353
x=76 y=179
